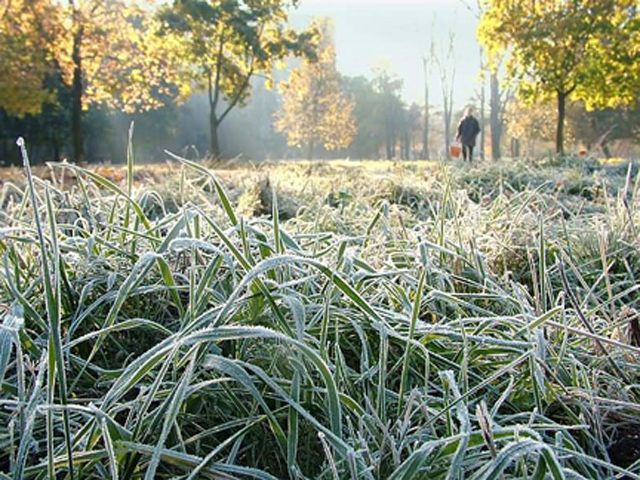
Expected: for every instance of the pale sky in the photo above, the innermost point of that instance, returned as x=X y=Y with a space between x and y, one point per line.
x=398 y=32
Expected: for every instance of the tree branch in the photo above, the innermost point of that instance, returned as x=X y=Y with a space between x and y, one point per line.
x=238 y=95
x=475 y=13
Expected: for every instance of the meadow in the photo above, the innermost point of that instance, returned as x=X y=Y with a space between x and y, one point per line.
x=325 y=320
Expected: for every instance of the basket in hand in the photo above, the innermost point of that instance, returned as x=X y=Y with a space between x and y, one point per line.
x=455 y=149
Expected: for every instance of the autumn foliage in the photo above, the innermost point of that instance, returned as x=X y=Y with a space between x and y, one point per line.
x=586 y=50
x=135 y=56
x=315 y=110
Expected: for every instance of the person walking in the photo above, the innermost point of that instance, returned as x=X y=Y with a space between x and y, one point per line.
x=468 y=130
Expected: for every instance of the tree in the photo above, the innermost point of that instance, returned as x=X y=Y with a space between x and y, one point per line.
x=219 y=45
x=499 y=98
x=567 y=50
x=391 y=107
x=100 y=50
x=483 y=100
x=384 y=121
x=315 y=110
x=444 y=60
x=496 y=115
x=26 y=29
x=425 y=125
x=369 y=117
x=107 y=56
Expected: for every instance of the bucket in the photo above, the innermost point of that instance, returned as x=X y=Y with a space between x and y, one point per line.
x=455 y=150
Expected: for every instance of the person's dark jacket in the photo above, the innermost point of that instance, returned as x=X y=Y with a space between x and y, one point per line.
x=468 y=130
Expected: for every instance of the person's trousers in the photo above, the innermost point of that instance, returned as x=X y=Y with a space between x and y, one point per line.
x=467 y=152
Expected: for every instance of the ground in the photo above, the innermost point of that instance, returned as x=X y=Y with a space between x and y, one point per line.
x=333 y=319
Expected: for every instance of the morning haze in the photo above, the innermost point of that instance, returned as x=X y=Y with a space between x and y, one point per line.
x=399 y=34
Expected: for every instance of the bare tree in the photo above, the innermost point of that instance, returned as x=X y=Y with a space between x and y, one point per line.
x=425 y=127
x=500 y=96
x=444 y=61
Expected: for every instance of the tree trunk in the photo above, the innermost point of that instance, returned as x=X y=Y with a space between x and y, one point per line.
x=562 y=100
x=515 y=148
x=406 y=146
x=4 y=150
x=76 y=94
x=5 y=159
x=425 y=128
x=214 y=122
x=482 y=106
x=496 y=117
x=390 y=143
x=56 y=150
x=213 y=129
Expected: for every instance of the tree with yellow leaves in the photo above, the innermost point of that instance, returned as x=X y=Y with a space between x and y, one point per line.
x=315 y=111
x=106 y=53
x=26 y=34
x=585 y=50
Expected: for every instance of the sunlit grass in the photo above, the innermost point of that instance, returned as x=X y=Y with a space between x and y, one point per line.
x=409 y=320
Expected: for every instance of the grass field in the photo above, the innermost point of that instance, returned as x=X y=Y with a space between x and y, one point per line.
x=330 y=320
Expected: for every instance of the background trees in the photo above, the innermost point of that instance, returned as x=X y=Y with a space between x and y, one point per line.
x=75 y=73
x=107 y=55
x=121 y=56
x=26 y=35
x=577 y=49
x=315 y=111
x=70 y=55
x=368 y=115
x=221 y=44
x=388 y=86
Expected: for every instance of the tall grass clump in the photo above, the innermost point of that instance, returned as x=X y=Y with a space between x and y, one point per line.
x=465 y=333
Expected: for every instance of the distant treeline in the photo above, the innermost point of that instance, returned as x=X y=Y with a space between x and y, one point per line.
x=386 y=127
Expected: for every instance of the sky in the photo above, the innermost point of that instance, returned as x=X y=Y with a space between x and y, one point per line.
x=397 y=33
